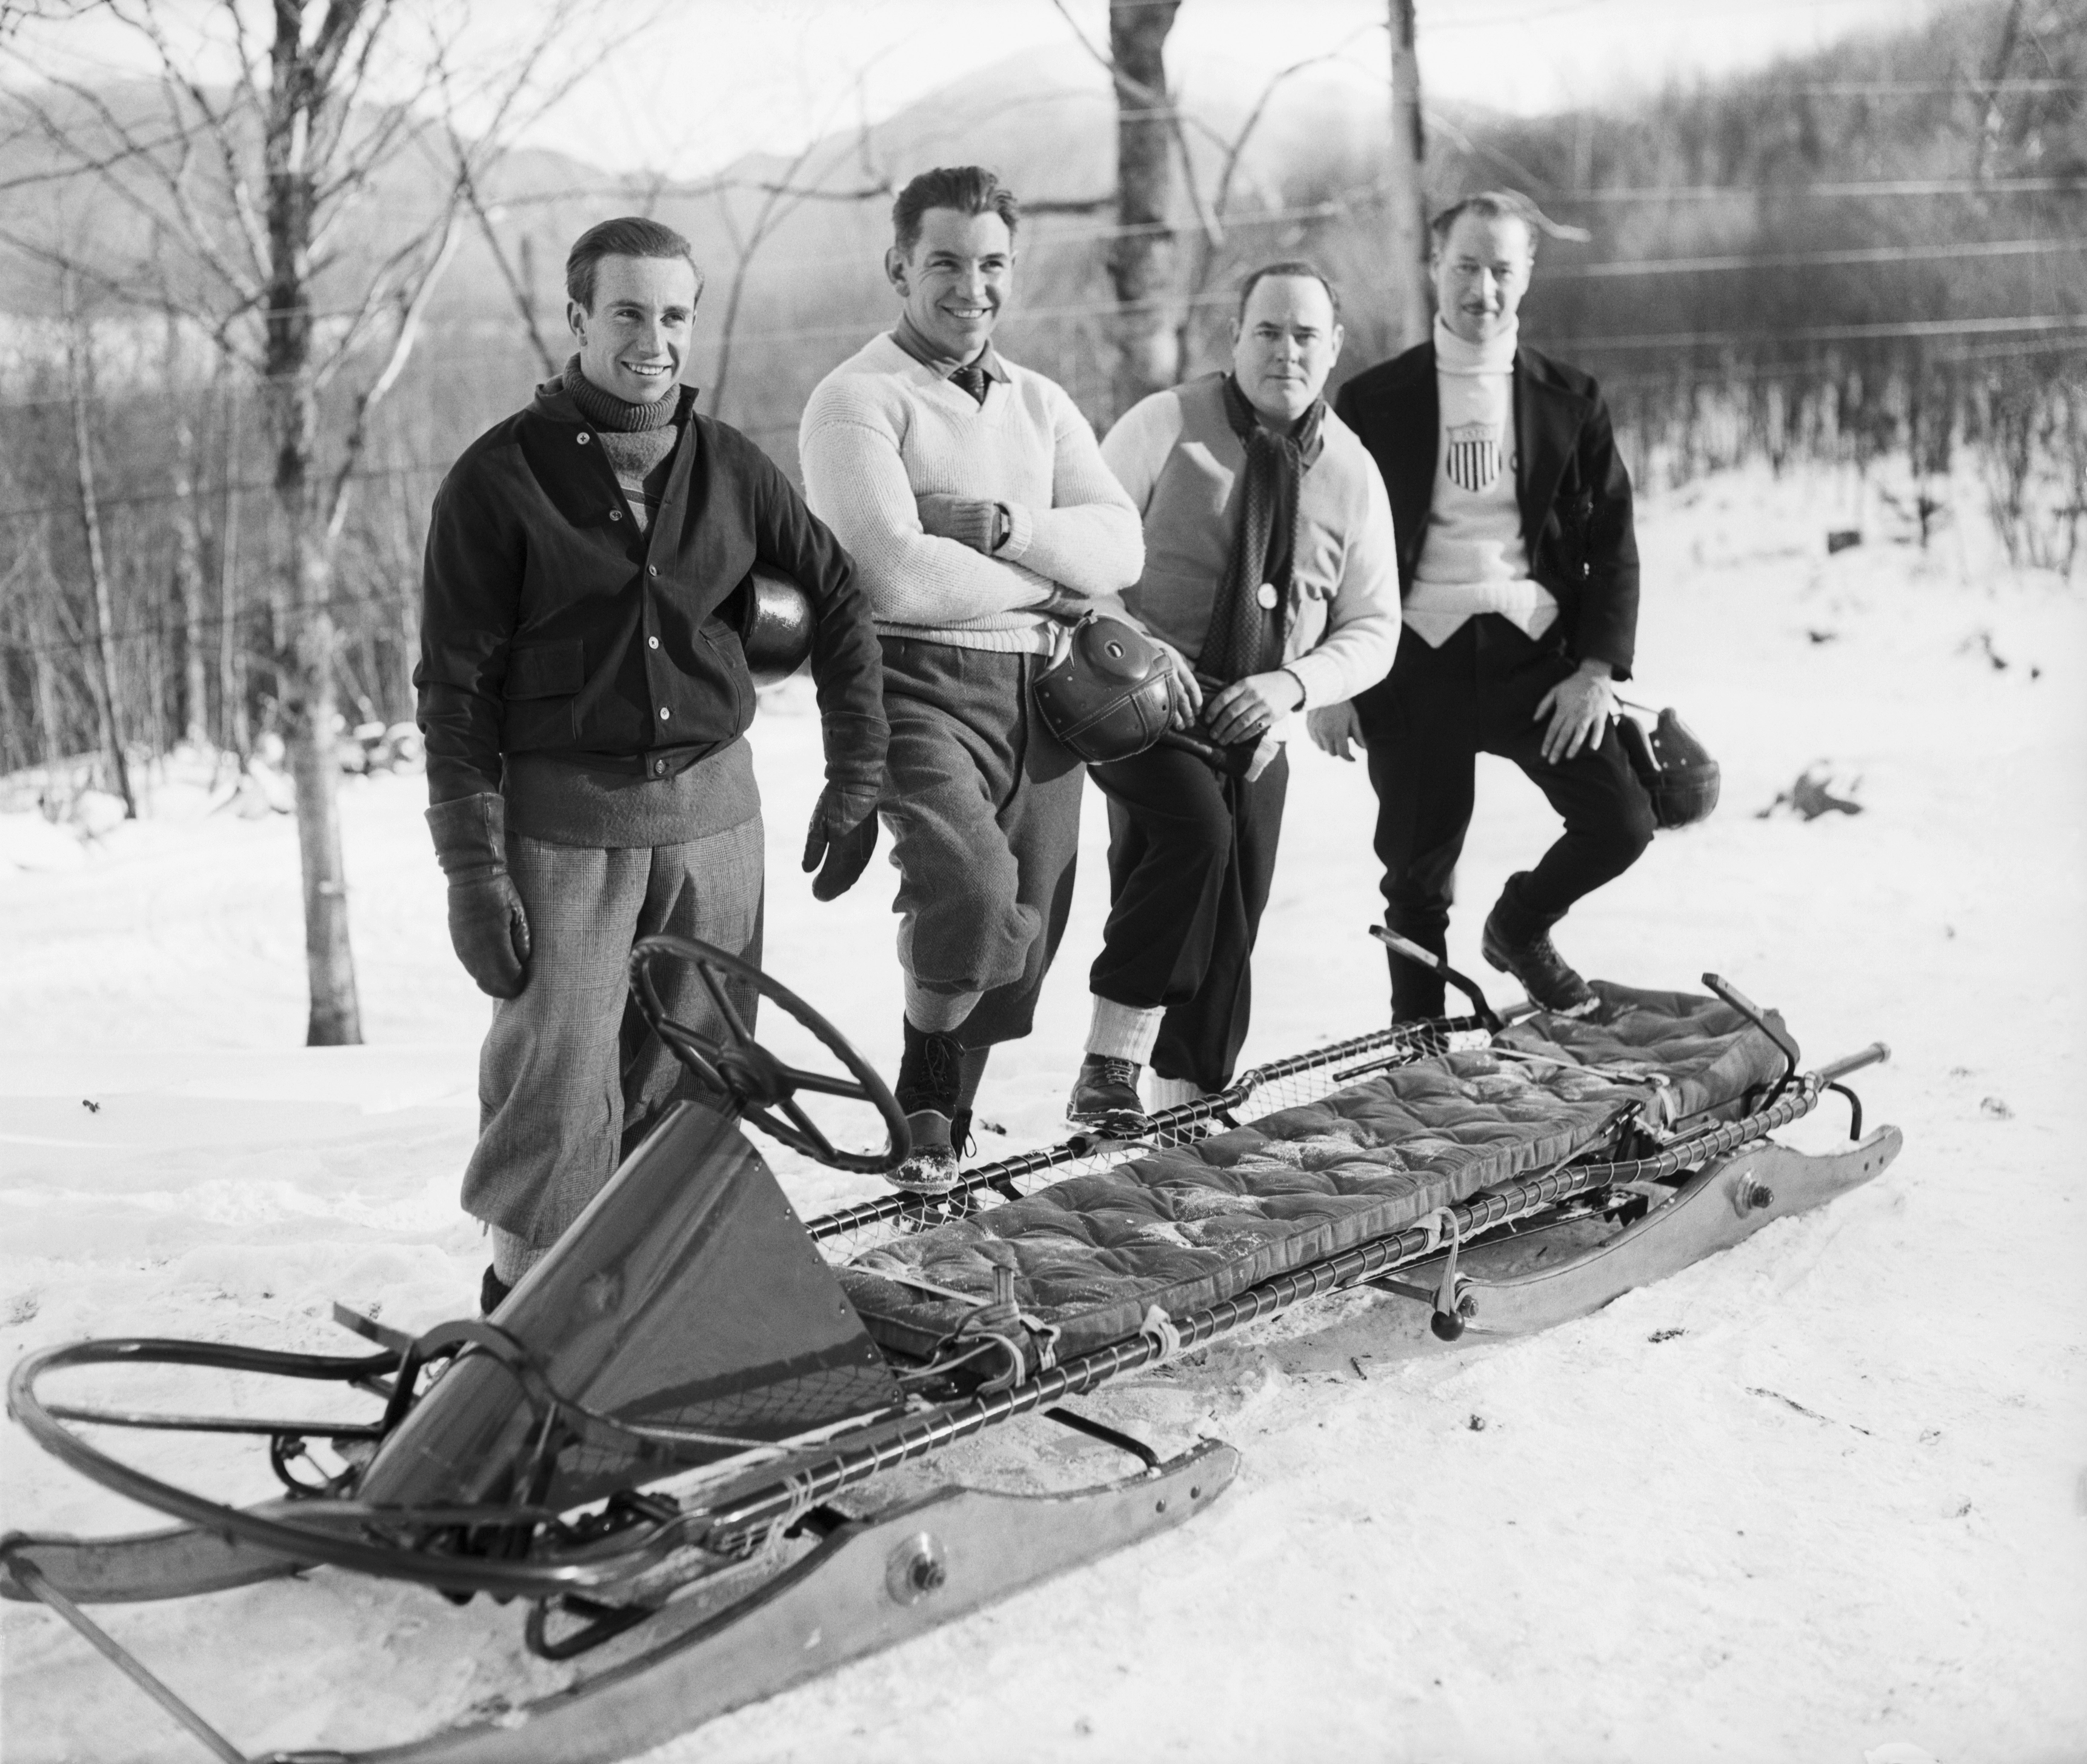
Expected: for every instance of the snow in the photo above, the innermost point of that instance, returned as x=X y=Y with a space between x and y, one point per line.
x=1821 y=1498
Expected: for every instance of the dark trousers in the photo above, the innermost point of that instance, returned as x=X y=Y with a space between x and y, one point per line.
x=1191 y=857
x=1424 y=727
x=983 y=806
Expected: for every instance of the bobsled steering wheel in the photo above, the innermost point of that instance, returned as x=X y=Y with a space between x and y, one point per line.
x=763 y=1089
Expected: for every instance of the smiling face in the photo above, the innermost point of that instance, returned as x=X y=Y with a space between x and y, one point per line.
x=1481 y=272
x=955 y=281
x=1284 y=345
x=633 y=342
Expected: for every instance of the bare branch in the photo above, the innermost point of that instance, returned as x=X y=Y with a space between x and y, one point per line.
x=411 y=313
x=224 y=135
x=516 y=291
x=1162 y=106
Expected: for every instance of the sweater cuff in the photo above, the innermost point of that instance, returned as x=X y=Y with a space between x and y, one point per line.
x=1320 y=677
x=1020 y=529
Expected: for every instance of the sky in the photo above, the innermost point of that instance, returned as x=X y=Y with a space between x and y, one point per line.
x=686 y=86
x=721 y=76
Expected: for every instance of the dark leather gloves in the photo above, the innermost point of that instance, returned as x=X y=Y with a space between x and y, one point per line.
x=844 y=833
x=488 y=928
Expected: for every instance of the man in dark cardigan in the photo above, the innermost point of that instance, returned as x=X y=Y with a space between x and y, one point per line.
x=1519 y=574
x=584 y=697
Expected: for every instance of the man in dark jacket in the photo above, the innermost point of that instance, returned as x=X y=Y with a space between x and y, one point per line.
x=1519 y=574
x=584 y=697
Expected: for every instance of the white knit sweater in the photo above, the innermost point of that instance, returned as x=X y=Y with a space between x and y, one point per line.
x=881 y=430
x=1475 y=558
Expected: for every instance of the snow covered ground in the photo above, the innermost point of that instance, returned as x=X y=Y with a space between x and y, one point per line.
x=1821 y=1496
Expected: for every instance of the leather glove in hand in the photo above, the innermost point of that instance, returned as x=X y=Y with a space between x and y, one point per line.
x=843 y=834
x=490 y=933
x=969 y=523
x=488 y=928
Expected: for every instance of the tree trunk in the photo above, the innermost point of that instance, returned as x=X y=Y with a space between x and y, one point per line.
x=1142 y=257
x=43 y=671
x=305 y=667
x=232 y=732
x=104 y=672
x=1412 y=304
x=188 y=551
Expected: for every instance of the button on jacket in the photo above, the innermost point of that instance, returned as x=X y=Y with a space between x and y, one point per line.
x=551 y=624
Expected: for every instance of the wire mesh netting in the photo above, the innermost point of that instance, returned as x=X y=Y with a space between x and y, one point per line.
x=845 y=1234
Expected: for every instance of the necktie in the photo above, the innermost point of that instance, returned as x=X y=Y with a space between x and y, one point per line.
x=973 y=379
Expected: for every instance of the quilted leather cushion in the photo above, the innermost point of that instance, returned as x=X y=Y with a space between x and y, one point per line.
x=1188 y=1227
x=1185 y=1227
x=1704 y=1052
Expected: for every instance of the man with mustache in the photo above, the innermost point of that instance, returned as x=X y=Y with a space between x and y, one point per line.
x=1518 y=566
x=584 y=697
x=1270 y=570
x=975 y=501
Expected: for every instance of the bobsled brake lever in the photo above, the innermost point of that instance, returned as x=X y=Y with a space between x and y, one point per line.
x=1754 y=1014
x=1413 y=952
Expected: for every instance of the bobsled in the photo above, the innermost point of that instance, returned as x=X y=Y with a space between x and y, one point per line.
x=678 y=1447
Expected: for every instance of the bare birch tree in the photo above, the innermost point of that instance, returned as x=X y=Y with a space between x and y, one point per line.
x=276 y=128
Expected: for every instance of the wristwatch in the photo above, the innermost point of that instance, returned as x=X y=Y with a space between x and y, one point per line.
x=1003 y=525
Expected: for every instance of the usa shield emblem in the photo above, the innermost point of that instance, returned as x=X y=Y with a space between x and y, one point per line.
x=1474 y=456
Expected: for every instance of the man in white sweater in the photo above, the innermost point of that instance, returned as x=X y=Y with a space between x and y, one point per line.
x=980 y=513
x=1519 y=567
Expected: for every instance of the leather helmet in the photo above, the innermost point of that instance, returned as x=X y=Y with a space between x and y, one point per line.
x=1677 y=770
x=774 y=624
x=1108 y=696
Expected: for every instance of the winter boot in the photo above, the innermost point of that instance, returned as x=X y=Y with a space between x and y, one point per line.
x=1105 y=1100
x=930 y=1074
x=1546 y=975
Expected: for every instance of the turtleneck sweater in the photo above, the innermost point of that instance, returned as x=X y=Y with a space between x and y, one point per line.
x=1475 y=558
x=639 y=439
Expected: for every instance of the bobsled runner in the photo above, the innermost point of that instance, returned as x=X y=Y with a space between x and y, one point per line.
x=678 y=1444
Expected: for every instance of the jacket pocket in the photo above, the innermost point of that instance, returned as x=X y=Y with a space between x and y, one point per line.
x=724 y=644
x=555 y=670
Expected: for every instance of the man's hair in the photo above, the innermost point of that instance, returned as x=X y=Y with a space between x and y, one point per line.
x=970 y=189
x=626 y=236
x=1292 y=266
x=1495 y=205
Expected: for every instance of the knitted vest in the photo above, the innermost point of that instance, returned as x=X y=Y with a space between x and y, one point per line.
x=1194 y=512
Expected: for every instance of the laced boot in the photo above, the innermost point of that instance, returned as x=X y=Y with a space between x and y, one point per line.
x=930 y=1071
x=1105 y=1098
x=1546 y=975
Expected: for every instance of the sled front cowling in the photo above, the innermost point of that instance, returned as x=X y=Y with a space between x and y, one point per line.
x=686 y=1306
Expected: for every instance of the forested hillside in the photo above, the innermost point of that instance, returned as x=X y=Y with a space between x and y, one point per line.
x=1873 y=253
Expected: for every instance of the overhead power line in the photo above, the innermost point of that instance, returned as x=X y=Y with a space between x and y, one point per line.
x=1787 y=260
x=1889 y=186
x=1892 y=88
x=168 y=625
x=1913 y=327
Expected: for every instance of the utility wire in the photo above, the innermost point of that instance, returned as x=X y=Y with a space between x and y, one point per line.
x=1917 y=327
x=1892 y=186
x=211 y=622
x=2043 y=322
x=1787 y=260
